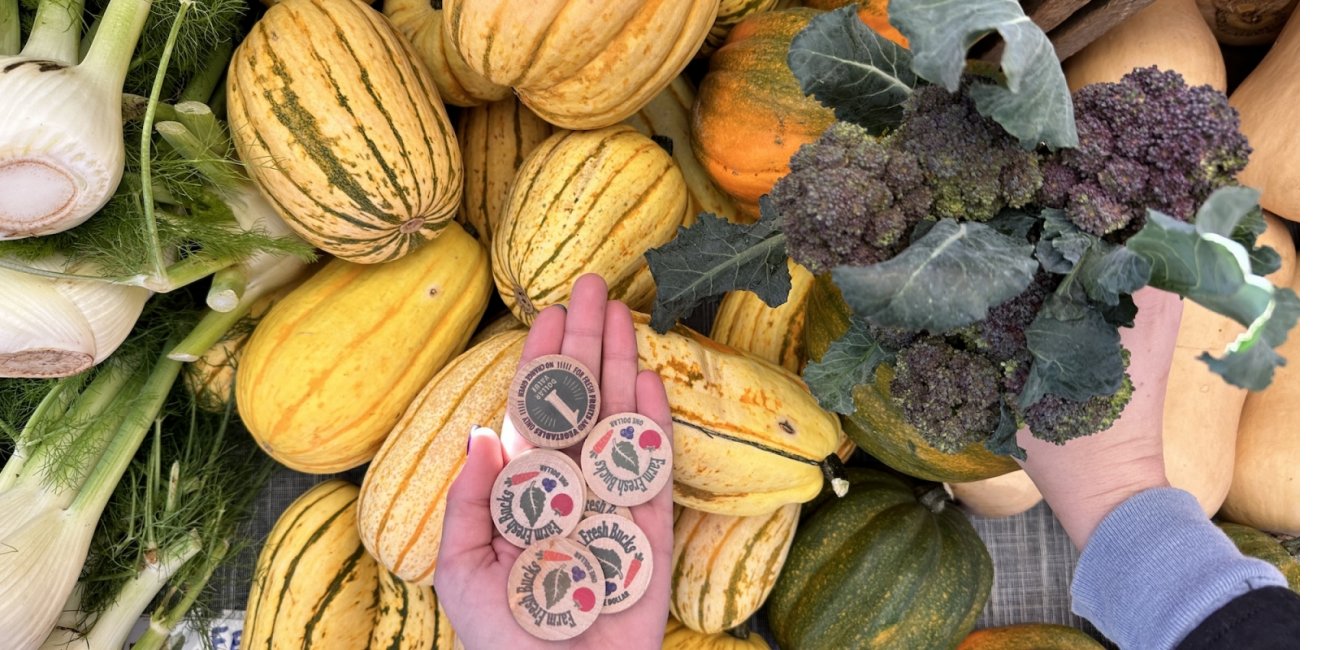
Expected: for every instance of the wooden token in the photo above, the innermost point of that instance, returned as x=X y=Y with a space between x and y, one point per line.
x=539 y=495
x=627 y=459
x=598 y=506
x=554 y=401
x=555 y=588
x=625 y=558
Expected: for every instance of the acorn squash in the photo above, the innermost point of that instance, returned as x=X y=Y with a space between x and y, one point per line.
x=1029 y=636
x=1254 y=543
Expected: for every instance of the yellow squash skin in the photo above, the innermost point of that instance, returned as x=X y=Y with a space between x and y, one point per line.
x=586 y=202
x=212 y=376
x=403 y=498
x=338 y=122
x=680 y=637
x=315 y=586
x=505 y=322
x=1269 y=105
x=725 y=567
x=580 y=64
x=332 y=367
x=410 y=618
x=772 y=333
x=425 y=28
x=495 y=139
x=668 y=114
x=748 y=436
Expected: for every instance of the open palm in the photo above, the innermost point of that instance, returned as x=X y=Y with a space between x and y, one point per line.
x=474 y=561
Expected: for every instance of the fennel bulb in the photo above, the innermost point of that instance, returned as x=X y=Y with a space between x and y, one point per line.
x=62 y=151
x=57 y=327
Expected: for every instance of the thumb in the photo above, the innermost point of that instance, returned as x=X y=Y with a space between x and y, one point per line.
x=467 y=526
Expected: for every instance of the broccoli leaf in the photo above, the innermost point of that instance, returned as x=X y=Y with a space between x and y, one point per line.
x=851 y=360
x=848 y=67
x=1013 y=223
x=1061 y=243
x=1077 y=355
x=1264 y=259
x=1199 y=262
x=1109 y=270
x=1003 y=439
x=714 y=256
x=948 y=278
x=1034 y=104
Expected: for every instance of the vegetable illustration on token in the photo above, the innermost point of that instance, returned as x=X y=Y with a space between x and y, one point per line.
x=627 y=461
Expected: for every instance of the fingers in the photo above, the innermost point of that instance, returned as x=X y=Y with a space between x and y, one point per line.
x=467 y=527
x=618 y=373
x=545 y=337
x=586 y=322
x=656 y=517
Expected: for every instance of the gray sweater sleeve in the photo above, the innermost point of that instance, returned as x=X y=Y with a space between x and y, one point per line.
x=1156 y=567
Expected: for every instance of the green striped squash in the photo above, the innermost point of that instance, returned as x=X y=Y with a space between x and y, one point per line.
x=337 y=120
x=586 y=202
x=315 y=587
x=725 y=567
x=424 y=24
x=775 y=334
x=881 y=568
x=410 y=618
x=403 y=499
x=680 y=637
x=1257 y=544
x=495 y=139
x=1030 y=636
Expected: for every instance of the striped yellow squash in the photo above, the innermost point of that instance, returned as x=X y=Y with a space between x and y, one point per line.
x=748 y=437
x=409 y=618
x=729 y=14
x=586 y=202
x=423 y=24
x=679 y=637
x=338 y=122
x=725 y=567
x=402 y=503
x=668 y=115
x=505 y=322
x=333 y=366
x=495 y=139
x=579 y=64
x=315 y=586
x=211 y=377
x=772 y=333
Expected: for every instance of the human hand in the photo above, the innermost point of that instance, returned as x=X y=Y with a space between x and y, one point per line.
x=471 y=577
x=1086 y=478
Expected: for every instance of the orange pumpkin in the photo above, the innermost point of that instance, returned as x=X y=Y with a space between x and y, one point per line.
x=872 y=12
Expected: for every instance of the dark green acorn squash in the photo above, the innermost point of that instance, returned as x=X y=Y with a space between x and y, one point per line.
x=1257 y=544
x=881 y=568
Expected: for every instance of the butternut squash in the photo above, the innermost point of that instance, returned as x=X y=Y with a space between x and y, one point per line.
x=1171 y=34
x=1001 y=496
x=1246 y=22
x=1267 y=103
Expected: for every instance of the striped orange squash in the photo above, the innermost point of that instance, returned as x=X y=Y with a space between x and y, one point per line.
x=668 y=115
x=580 y=64
x=495 y=139
x=725 y=567
x=314 y=586
x=338 y=122
x=424 y=25
x=410 y=618
x=401 y=510
x=772 y=333
x=586 y=202
x=333 y=366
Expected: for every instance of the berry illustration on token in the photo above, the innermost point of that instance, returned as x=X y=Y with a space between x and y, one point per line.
x=554 y=401
x=539 y=495
x=554 y=589
x=627 y=459
x=625 y=558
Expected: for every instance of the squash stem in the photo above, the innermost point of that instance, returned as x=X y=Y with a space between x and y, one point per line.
x=9 y=28
x=228 y=288
x=834 y=471
x=55 y=32
x=935 y=499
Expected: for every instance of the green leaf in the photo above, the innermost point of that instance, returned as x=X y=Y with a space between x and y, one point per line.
x=864 y=78
x=609 y=562
x=1251 y=359
x=1003 y=440
x=624 y=456
x=1077 y=358
x=1225 y=209
x=1034 y=104
x=714 y=256
x=532 y=503
x=1013 y=223
x=948 y=278
x=851 y=360
x=556 y=585
x=1264 y=259
x=1061 y=243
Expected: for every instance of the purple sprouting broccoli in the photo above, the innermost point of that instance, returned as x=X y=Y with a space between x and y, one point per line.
x=972 y=165
x=1057 y=419
x=848 y=199
x=952 y=396
x=1147 y=141
x=1001 y=335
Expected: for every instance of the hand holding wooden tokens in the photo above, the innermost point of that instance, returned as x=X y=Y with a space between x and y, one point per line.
x=579 y=542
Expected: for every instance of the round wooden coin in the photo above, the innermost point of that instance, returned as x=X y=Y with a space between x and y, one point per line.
x=539 y=495
x=598 y=506
x=554 y=401
x=625 y=558
x=555 y=589
x=627 y=459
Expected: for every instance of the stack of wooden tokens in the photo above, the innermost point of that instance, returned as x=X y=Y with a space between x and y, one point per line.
x=584 y=555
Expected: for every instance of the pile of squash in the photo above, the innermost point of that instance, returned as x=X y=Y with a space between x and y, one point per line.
x=569 y=154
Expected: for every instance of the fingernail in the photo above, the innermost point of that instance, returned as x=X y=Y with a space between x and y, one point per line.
x=560 y=306
x=470 y=437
